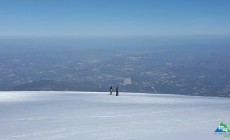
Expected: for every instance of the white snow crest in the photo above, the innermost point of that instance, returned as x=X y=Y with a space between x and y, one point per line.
x=100 y=116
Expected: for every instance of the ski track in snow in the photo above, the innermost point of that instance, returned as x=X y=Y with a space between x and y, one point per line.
x=99 y=116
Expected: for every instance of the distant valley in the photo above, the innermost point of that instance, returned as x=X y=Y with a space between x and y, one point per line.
x=178 y=70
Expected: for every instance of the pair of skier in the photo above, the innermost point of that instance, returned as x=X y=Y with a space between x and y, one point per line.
x=111 y=91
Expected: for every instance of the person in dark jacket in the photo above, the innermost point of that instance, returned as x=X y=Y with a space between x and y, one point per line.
x=117 y=92
x=111 y=90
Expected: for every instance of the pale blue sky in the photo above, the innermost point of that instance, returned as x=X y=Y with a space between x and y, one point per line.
x=113 y=18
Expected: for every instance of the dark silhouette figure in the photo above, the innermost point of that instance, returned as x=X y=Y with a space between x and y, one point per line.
x=111 y=90
x=117 y=92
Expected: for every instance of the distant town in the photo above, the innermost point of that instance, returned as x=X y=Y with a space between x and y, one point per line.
x=185 y=72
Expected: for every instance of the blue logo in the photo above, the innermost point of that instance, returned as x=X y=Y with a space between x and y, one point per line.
x=223 y=129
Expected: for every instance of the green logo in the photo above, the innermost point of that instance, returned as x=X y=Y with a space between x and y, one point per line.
x=223 y=129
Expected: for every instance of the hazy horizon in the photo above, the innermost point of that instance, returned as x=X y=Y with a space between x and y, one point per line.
x=114 y=18
x=149 y=46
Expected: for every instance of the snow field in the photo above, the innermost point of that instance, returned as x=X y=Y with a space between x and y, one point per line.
x=99 y=116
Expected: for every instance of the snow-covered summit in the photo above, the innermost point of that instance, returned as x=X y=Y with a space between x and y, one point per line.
x=99 y=116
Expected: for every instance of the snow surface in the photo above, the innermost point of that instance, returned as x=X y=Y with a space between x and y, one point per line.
x=99 y=116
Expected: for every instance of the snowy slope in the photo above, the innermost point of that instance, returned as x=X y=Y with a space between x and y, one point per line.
x=99 y=116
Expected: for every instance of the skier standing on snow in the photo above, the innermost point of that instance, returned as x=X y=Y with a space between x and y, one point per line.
x=117 y=92
x=111 y=90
